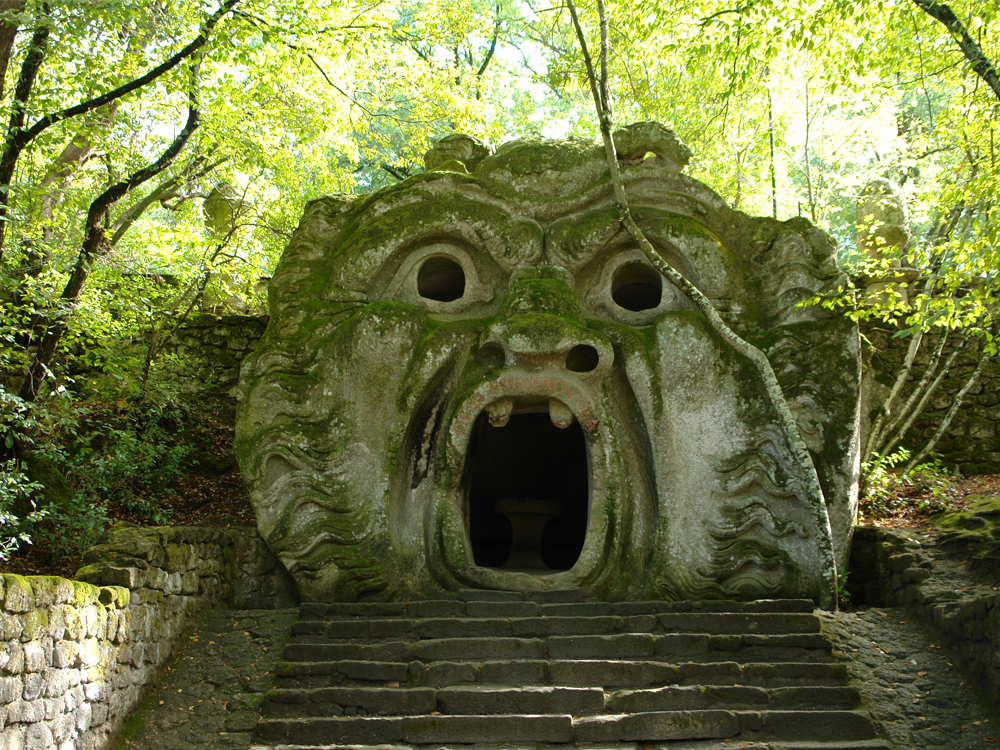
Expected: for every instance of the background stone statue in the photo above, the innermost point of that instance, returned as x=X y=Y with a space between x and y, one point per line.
x=474 y=379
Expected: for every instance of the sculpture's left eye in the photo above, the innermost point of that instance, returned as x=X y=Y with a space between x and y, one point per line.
x=441 y=279
x=636 y=287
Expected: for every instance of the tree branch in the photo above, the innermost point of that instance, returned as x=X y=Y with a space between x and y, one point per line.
x=18 y=138
x=95 y=245
x=981 y=65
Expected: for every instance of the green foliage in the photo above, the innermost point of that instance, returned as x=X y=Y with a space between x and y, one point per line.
x=16 y=488
x=879 y=484
x=886 y=490
x=18 y=514
x=843 y=592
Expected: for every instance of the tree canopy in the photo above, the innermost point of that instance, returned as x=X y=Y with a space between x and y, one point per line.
x=158 y=153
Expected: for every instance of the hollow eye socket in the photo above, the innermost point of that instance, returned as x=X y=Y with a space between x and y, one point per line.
x=441 y=279
x=636 y=287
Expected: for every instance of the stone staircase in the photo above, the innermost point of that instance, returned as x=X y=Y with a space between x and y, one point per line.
x=503 y=669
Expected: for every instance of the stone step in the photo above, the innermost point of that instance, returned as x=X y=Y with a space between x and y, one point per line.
x=676 y=745
x=564 y=728
x=571 y=673
x=671 y=646
x=720 y=724
x=454 y=699
x=511 y=671
x=505 y=604
x=714 y=623
x=697 y=697
x=577 y=701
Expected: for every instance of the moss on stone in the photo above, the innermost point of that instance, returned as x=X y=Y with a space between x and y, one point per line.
x=977 y=528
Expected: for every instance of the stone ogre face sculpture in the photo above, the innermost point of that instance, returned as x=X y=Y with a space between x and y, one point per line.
x=477 y=380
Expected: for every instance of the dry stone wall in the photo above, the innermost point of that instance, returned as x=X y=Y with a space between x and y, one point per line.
x=210 y=350
x=972 y=442
x=75 y=655
x=893 y=568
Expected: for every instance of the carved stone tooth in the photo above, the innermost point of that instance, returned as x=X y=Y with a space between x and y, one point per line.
x=560 y=414
x=499 y=411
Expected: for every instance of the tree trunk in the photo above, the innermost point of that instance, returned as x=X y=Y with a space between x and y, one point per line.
x=8 y=31
x=95 y=245
x=810 y=479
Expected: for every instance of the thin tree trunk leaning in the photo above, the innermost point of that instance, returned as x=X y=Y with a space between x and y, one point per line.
x=18 y=138
x=909 y=411
x=8 y=32
x=876 y=440
x=95 y=245
x=981 y=65
x=877 y=430
x=800 y=454
x=32 y=63
x=932 y=443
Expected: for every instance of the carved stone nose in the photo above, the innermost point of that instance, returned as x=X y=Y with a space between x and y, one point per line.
x=539 y=328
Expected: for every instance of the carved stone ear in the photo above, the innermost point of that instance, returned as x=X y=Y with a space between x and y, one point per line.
x=634 y=142
x=457 y=147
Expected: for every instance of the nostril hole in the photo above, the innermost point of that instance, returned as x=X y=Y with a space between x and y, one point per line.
x=491 y=355
x=582 y=358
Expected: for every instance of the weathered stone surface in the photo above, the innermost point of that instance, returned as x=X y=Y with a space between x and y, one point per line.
x=478 y=381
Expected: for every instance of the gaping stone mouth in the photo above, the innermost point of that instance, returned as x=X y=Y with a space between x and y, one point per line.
x=526 y=486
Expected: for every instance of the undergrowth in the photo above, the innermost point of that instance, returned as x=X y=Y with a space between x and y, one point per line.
x=95 y=453
x=887 y=492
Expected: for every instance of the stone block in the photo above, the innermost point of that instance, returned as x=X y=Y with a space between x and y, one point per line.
x=74 y=699
x=83 y=716
x=189 y=583
x=126 y=577
x=62 y=728
x=57 y=683
x=12 y=738
x=74 y=628
x=10 y=627
x=57 y=622
x=34 y=686
x=38 y=737
x=11 y=689
x=34 y=625
x=34 y=657
x=137 y=654
x=28 y=712
x=89 y=652
x=53 y=708
x=99 y=714
x=18 y=594
x=14 y=652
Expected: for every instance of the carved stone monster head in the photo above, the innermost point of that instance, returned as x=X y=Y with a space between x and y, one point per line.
x=479 y=381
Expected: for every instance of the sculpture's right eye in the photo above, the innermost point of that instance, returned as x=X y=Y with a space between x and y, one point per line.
x=441 y=278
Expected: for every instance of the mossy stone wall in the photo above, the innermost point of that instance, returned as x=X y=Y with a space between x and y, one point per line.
x=75 y=655
x=891 y=569
x=972 y=441
x=210 y=350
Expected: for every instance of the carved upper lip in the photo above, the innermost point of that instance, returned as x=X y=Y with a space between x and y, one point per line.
x=564 y=398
